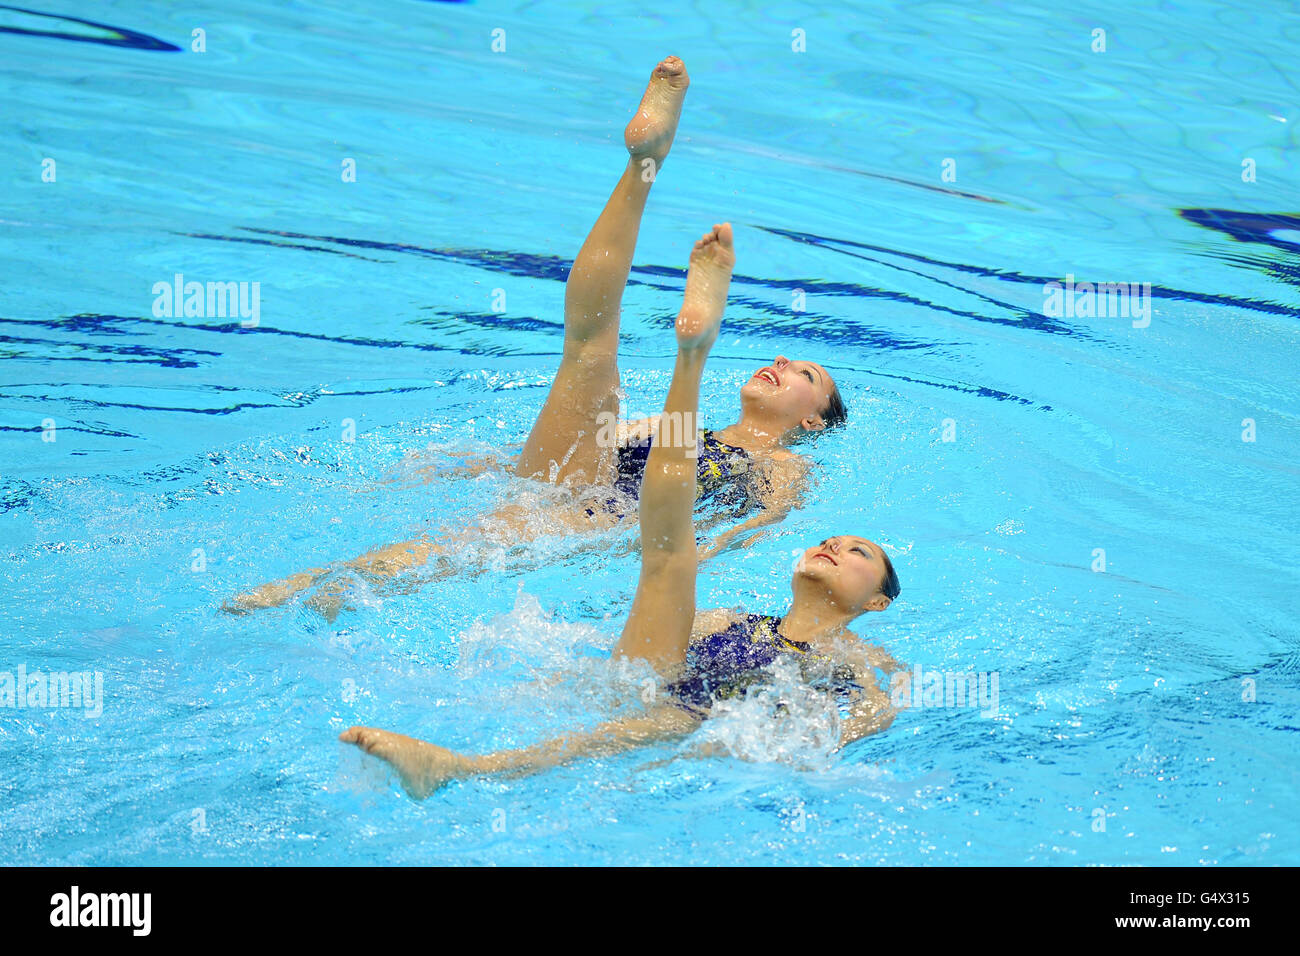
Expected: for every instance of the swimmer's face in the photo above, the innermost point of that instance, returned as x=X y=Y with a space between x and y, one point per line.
x=851 y=569
x=795 y=393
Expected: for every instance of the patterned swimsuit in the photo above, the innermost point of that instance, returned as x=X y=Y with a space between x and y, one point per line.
x=726 y=664
x=722 y=473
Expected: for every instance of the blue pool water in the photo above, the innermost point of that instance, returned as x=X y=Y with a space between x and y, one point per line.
x=1147 y=713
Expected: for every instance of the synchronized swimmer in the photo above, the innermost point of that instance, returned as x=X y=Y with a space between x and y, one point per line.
x=747 y=466
x=700 y=656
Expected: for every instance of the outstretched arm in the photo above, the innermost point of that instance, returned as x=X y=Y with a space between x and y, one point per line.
x=782 y=492
x=870 y=713
x=871 y=710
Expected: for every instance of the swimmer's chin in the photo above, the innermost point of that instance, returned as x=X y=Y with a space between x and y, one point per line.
x=812 y=569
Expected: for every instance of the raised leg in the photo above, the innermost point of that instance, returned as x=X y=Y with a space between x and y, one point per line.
x=659 y=625
x=563 y=444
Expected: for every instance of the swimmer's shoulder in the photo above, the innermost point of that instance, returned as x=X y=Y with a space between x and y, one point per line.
x=782 y=471
x=786 y=462
x=865 y=657
x=713 y=621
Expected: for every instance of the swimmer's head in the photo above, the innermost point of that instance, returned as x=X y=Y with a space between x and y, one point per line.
x=798 y=397
x=853 y=573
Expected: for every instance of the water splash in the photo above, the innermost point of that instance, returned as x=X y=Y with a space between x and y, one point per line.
x=784 y=721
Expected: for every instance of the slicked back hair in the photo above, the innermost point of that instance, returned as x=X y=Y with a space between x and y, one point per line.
x=890 y=586
x=833 y=416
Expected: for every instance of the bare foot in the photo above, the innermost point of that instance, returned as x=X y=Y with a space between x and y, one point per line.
x=707 y=282
x=330 y=600
x=422 y=766
x=651 y=132
x=273 y=594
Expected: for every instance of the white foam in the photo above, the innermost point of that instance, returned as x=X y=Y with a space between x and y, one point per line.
x=784 y=721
